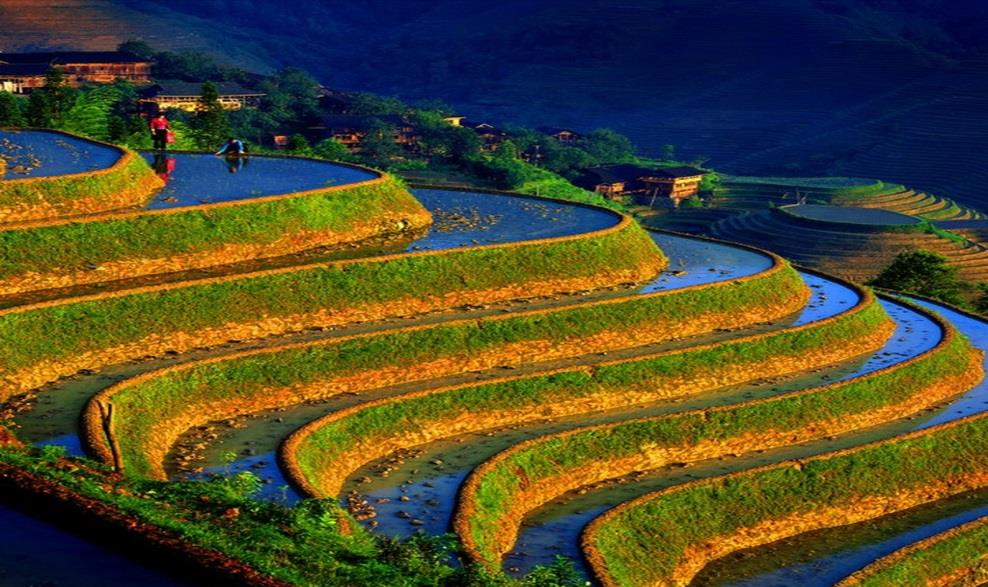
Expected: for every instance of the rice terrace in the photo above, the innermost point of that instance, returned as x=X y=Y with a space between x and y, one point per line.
x=378 y=343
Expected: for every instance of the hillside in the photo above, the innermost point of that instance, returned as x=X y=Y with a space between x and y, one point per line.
x=887 y=88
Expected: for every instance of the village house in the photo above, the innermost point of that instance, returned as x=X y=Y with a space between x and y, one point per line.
x=563 y=135
x=335 y=102
x=22 y=72
x=351 y=130
x=165 y=95
x=490 y=134
x=614 y=181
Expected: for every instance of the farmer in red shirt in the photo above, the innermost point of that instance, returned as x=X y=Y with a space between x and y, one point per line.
x=159 y=131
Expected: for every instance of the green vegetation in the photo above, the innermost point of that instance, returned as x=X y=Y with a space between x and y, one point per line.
x=139 y=408
x=312 y=543
x=127 y=185
x=543 y=462
x=322 y=447
x=80 y=245
x=211 y=125
x=86 y=327
x=922 y=272
x=717 y=508
x=847 y=187
x=959 y=553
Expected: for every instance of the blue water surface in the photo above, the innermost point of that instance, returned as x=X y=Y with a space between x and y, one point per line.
x=38 y=153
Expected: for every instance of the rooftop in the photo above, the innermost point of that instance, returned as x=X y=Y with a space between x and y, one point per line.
x=626 y=172
x=71 y=57
x=23 y=69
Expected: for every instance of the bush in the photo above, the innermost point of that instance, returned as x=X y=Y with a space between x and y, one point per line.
x=924 y=273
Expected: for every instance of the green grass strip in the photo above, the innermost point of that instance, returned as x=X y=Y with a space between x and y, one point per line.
x=641 y=543
x=75 y=246
x=61 y=331
x=139 y=407
x=319 y=449
x=62 y=192
x=961 y=552
x=541 y=461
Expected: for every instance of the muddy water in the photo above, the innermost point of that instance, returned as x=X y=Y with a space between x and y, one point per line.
x=36 y=153
x=40 y=554
x=824 y=557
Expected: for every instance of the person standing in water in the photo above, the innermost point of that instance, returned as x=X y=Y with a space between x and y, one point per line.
x=159 y=131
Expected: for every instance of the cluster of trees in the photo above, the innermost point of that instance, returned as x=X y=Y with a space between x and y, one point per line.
x=930 y=274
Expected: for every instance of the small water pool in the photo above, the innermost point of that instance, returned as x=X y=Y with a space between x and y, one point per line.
x=38 y=153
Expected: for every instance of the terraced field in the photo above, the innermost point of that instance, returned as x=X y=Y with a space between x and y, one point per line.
x=515 y=371
x=738 y=194
x=849 y=249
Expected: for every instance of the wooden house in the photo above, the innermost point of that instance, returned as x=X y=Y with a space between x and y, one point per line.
x=21 y=78
x=563 y=135
x=490 y=134
x=186 y=96
x=351 y=130
x=613 y=181
x=336 y=102
x=22 y=72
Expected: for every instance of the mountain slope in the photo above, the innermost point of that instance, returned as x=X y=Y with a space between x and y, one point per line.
x=760 y=86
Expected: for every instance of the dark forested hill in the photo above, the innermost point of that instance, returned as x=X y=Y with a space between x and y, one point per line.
x=890 y=88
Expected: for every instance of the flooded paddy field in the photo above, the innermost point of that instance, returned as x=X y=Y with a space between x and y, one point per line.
x=194 y=179
x=38 y=153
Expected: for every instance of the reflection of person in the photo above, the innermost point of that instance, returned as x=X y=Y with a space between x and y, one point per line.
x=159 y=131
x=235 y=163
x=163 y=165
x=233 y=148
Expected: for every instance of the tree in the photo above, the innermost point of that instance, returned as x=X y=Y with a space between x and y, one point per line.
x=38 y=110
x=136 y=47
x=298 y=144
x=606 y=146
x=922 y=272
x=10 y=110
x=90 y=113
x=669 y=152
x=333 y=150
x=981 y=302
x=211 y=124
x=60 y=96
x=379 y=142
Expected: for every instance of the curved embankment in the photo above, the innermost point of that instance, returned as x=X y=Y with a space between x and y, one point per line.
x=319 y=456
x=150 y=412
x=958 y=556
x=113 y=246
x=42 y=342
x=707 y=519
x=500 y=493
x=127 y=183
